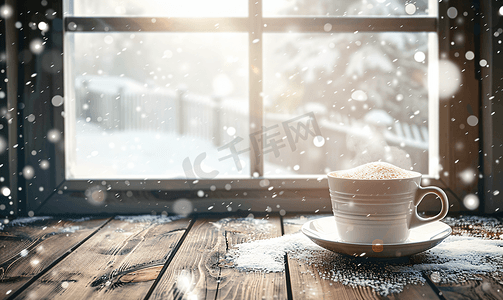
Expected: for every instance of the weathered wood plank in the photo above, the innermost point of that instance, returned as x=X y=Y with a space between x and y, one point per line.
x=308 y=283
x=485 y=289
x=17 y=238
x=121 y=261
x=251 y=285
x=27 y=250
x=195 y=270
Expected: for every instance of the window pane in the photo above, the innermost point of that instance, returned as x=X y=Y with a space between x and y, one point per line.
x=345 y=8
x=157 y=8
x=153 y=105
x=368 y=93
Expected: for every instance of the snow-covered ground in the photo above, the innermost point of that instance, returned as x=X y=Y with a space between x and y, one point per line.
x=102 y=154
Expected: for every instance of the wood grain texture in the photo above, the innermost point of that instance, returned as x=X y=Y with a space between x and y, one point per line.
x=196 y=270
x=484 y=289
x=236 y=284
x=27 y=250
x=308 y=283
x=121 y=261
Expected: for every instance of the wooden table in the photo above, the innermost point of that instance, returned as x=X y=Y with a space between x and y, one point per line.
x=117 y=259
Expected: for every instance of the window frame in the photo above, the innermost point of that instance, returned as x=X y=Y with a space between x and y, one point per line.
x=61 y=196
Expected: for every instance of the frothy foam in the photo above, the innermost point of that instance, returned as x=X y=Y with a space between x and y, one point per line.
x=375 y=171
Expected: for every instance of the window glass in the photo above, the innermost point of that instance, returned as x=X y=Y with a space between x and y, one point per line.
x=342 y=8
x=158 y=8
x=341 y=100
x=157 y=105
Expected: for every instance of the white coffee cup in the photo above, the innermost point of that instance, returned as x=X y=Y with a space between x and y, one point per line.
x=380 y=211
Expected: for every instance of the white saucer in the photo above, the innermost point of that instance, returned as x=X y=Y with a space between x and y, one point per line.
x=323 y=232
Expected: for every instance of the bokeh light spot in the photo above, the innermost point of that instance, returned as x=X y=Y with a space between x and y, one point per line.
x=28 y=172
x=182 y=207
x=44 y=165
x=5 y=191
x=410 y=9
x=43 y=26
x=467 y=176
x=452 y=12
x=319 y=141
x=359 y=95
x=53 y=135
x=264 y=182
x=72 y=26
x=419 y=56
x=450 y=78
x=108 y=39
x=57 y=100
x=36 y=46
x=471 y=201
x=472 y=120
x=231 y=131
x=5 y=11
x=95 y=195
x=377 y=245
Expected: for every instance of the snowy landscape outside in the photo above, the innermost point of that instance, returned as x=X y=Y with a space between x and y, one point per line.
x=146 y=104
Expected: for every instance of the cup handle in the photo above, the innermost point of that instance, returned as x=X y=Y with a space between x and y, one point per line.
x=416 y=220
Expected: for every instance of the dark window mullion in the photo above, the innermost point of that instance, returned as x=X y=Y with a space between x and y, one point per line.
x=279 y=24
x=351 y=24
x=155 y=24
x=256 y=76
